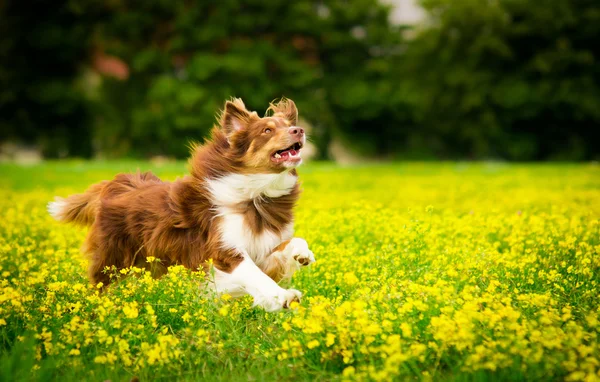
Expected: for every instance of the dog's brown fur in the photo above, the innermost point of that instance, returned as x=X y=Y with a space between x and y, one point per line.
x=138 y=215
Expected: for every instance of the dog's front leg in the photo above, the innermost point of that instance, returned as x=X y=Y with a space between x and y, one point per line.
x=246 y=277
x=287 y=258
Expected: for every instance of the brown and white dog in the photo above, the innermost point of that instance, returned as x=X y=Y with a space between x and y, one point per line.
x=235 y=208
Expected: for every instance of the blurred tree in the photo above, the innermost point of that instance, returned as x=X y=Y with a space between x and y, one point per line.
x=42 y=46
x=515 y=79
x=186 y=58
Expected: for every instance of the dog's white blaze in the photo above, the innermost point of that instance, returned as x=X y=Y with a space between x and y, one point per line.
x=248 y=278
x=56 y=208
x=236 y=188
x=235 y=234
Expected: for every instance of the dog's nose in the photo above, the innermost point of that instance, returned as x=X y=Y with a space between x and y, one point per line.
x=295 y=130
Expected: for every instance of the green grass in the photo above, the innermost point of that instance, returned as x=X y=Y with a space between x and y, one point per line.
x=443 y=271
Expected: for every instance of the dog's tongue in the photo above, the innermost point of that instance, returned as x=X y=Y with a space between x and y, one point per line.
x=286 y=154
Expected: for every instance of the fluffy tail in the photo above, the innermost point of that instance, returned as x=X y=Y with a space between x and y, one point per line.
x=78 y=208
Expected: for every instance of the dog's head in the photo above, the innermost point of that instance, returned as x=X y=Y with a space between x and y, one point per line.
x=268 y=145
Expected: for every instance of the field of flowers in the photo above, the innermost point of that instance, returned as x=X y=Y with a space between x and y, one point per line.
x=438 y=271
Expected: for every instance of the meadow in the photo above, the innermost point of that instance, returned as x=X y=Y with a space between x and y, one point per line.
x=425 y=271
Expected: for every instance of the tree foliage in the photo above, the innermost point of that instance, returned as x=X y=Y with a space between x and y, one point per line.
x=513 y=79
x=42 y=45
x=507 y=78
x=187 y=59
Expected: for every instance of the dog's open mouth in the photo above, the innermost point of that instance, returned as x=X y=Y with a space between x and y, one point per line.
x=291 y=153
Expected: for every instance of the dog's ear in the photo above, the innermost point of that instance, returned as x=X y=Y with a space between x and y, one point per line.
x=285 y=108
x=235 y=116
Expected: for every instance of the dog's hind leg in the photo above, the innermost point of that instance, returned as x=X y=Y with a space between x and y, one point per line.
x=97 y=259
x=106 y=253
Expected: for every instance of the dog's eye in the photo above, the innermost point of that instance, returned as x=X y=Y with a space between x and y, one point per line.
x=268 y=130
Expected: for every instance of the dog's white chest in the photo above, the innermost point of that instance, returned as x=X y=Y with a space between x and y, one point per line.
x=237 y=234
x=233 y=189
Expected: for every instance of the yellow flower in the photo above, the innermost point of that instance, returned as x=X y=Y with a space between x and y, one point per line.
x=224 y=310
x=312 y=344
x=350 y=278
x=348 y=371
x=226 y=297
x=406 y=330
x=130 y=310
x=329 y=339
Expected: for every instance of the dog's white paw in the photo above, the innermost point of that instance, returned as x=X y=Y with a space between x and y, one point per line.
x=297 y=249
x=281 y=300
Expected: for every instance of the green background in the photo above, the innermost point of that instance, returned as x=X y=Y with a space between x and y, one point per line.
x=505 y=79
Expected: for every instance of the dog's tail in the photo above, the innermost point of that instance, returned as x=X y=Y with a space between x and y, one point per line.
x=78 y=208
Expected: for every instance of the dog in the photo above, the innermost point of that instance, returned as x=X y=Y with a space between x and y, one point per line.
x=234 y=210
